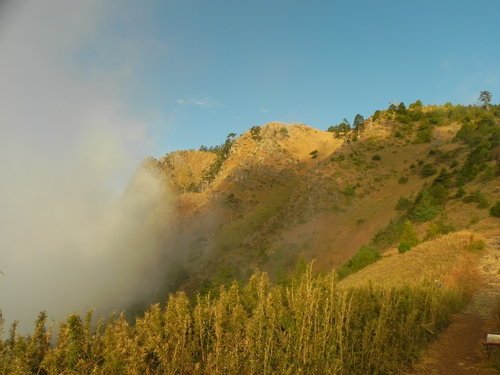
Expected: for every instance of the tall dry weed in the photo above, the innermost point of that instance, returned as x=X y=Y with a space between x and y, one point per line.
x=309 y=327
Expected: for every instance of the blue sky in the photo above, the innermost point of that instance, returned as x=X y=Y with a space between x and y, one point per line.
x=204 y=69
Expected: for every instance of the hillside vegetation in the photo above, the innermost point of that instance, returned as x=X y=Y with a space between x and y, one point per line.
x=309 y=327
x=282 y=195
x=395 y=212
x=313 y=325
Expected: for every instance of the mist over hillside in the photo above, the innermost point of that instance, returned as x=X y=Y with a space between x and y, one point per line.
x=69 y=238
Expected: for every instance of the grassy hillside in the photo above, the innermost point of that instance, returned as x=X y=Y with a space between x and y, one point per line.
x=450 y=261
x=281 y=195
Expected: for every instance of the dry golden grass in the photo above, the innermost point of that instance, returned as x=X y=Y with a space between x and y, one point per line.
x=445 y=259
x=464 y=275
x=377 y=130
x=308 y=327
x=184 y=168
x=446 y=133
x=278 y=149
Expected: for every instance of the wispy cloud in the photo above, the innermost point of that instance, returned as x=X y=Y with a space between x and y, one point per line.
x=204 y=102
x=264 y=110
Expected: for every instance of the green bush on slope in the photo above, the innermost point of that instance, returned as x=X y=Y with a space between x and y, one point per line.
x=365 y=256
x=495 y=209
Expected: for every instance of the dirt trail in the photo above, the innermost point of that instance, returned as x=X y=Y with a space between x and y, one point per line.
x=459 y=350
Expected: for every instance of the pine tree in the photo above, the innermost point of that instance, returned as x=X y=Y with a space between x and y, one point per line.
x=485 y=98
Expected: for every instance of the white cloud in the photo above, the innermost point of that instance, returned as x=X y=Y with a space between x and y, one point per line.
x=204 y=102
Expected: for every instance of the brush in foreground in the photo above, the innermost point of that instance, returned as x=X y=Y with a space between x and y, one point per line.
x=309 y=327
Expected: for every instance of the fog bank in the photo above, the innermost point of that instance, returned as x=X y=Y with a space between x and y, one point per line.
x=69 y=241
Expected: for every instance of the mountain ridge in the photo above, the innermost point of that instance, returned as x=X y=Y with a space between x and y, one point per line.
x=285 y=193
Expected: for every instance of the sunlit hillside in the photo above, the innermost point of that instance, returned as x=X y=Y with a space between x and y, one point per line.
x=280 y=194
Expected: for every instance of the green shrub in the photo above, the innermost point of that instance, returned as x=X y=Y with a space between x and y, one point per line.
x=438 y=192
x=222 y=153
x=416 y=105
x=425 y=207
x=398 y=134
x=489 y=173
x=460 y=192
x=365 y=256
x=284 y=132
x=435 y=117
x=255 y=133
x=483 y=203
x=390 y=235
x=349 y=191
x=408 y=237
x=495 y=209
x=339 y=157
x=476 y=246
x=477 y=197
x=474 y=164
x=423 y=134
x=441 y=226
x=193 y=188
x=444 y=178
x=403 y=180
x=403 y=247
x=376 y=157
x=415 y=115
x=473 y=220
x=428 y=170
x=403 y=118
x=341 y=129
x=403 y=204
x=480 y=131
